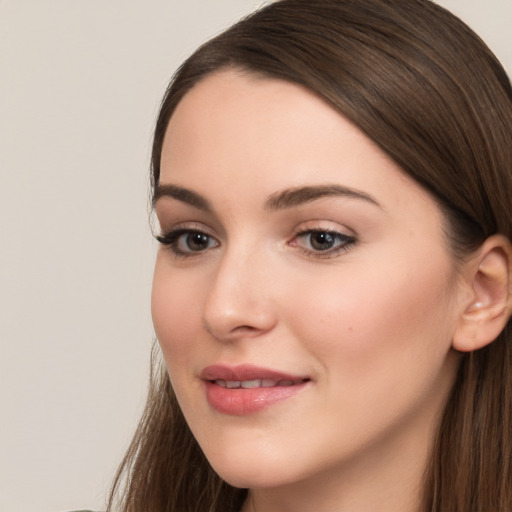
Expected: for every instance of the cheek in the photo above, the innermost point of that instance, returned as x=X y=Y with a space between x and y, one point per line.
x=175 y=311
x=363 y=325
x=381 y=349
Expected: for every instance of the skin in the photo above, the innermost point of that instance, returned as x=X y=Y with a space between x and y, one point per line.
x=370 y=324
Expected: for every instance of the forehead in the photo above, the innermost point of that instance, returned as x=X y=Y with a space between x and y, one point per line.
x=233 y=104
x=236 y=134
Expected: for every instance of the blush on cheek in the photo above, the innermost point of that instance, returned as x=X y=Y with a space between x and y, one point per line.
x=171 y=303
x=378 y=315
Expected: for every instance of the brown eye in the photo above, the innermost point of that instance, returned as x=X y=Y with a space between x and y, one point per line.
x=184 y=242
x=322 y=240
x=323 y=243
x=196 y=241
x=193 y=242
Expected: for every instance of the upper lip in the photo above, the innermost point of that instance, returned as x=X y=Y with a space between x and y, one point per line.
x=245 y=372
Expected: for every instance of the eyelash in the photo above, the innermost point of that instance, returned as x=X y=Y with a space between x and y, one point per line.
x=344 y=242
x=172 y=240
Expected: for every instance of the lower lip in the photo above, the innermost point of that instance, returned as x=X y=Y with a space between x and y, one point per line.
x=241 y=402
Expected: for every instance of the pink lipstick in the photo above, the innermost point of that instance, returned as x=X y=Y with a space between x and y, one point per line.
x=247 y=389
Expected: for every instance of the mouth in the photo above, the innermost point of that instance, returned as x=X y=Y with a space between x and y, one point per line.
x=256 y=383
x=247 y=389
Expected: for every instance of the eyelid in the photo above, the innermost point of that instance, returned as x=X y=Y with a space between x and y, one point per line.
x=169 y=228
x=324 y=225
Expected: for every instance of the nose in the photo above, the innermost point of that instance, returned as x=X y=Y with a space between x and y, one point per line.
x=240 y=302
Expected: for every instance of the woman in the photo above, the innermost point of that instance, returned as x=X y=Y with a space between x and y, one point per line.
x=332 y=293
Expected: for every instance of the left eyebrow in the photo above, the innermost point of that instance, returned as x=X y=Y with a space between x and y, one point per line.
x=296 y=196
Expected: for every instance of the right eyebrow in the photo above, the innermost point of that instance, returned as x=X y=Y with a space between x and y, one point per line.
x=182 y=194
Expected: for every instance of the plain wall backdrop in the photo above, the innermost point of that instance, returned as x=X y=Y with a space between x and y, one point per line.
x=80 y=84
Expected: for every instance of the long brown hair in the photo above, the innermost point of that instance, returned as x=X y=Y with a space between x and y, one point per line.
x=429 y=92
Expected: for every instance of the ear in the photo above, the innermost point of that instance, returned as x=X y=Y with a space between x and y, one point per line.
x=488 y=306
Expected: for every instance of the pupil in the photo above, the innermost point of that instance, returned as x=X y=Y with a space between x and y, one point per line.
x=197 y=241
x=322 y=241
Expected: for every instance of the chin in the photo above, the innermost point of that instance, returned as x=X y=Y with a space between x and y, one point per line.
x=246 y=470
x=254 y=478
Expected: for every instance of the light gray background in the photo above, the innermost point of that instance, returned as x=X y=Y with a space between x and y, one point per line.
x=80 y=82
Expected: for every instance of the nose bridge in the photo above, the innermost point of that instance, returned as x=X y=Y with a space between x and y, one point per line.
x=239 y=301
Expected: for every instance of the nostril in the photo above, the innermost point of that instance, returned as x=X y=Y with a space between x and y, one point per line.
x=245 y=328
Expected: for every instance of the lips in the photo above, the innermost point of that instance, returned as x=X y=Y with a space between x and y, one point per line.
x=247 y=389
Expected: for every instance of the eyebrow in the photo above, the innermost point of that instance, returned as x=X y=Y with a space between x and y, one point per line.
x=301 y=195
x=182 y=194
x=288 y=198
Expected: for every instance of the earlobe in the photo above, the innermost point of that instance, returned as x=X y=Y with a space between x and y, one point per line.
x=488 y=309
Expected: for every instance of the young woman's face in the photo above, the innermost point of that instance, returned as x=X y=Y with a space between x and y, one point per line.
x=304 y=296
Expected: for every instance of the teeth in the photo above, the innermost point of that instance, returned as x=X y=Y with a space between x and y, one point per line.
x=249 y=384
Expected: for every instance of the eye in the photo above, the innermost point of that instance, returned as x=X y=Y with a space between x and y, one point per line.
x=323 y=243
x=185 y=242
